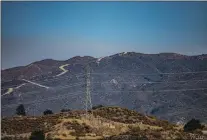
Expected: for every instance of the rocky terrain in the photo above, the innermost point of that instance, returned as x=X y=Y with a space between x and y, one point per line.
x=167 y=85
x=105 y=123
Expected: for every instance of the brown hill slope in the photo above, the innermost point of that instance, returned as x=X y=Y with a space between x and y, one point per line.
x=107 y=123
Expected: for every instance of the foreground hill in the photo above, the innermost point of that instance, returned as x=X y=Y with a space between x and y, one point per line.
x=106 y=123
x=167 y=85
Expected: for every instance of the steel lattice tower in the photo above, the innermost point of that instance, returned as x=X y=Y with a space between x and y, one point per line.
x=88 y=103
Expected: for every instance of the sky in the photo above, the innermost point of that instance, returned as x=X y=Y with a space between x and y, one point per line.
x=32 y=31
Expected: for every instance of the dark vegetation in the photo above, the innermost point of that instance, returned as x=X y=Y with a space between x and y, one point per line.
x=47 y=112
x=80 y=129
x=27 y=124
x=65 y=110
x=37 y=135
x=96 y=107
x=46 y=123
x=20 y=110
x=124 y=115
x=127 y=137
x=13 y=138
x=192 y=125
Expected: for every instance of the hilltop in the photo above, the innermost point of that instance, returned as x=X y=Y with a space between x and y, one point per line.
x=167 y=85
x=106 y=123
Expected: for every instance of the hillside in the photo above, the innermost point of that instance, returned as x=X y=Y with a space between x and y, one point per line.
x=106 y=123
x=167 y=85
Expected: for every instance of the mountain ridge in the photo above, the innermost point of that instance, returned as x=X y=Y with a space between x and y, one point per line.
x=163 y=53
x=159 y=84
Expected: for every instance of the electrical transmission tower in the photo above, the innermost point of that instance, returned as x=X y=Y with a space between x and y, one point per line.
x=88 y=103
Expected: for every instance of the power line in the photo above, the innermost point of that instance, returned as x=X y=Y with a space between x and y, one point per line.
x=81 y=83
x=65 y=95
x=149 y=82
x=153 y=67
x=170 y=90
x=51 y=80
x=185 y=111
x=69 y=95
x=18 y=85
x=53 y=77
x=98 y=73
x=82 y=74
x=88 y=96
x=54 y=89
x=74 y=85
x=61 y=78
x=44 y=100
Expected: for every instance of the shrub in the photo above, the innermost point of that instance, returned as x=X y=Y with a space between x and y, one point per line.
x=80 y=129
x=126 y=137
x=192 y=125
x=134 y=129
x=49 y=136
x=64 y=134
x=20 y=110
x=37 y=135
x=156 y=134
x=6 y=138
x=47 y=112
x=96 y=107
x=65 y=110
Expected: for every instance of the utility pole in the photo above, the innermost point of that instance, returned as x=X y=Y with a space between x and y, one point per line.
x=88 y=103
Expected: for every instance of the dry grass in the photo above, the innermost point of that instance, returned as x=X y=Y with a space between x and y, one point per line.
x=123 y=115
x=111 y=122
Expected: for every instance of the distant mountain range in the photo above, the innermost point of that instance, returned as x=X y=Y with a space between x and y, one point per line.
x=168 y=85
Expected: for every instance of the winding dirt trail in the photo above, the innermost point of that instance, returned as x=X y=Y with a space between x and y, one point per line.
x=63 y=69
x=10 y=90
x=36 y=84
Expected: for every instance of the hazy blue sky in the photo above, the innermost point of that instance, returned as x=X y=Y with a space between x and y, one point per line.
x=34 y=31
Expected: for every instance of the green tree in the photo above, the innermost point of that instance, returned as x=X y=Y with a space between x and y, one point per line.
x=37 y=135
x=47 y=112
x=192 y=125
x=20 y=110
x=65 y=110
x=96 y=107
